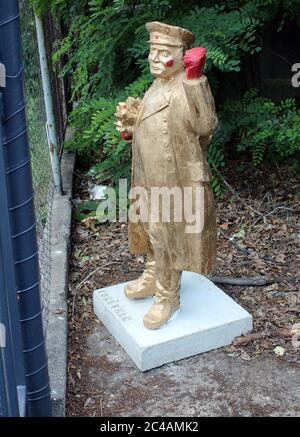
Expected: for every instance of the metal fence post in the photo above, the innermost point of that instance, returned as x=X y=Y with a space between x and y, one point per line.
x=10 y=329
x=9 y=406
x=51 y=125
x=21 y=212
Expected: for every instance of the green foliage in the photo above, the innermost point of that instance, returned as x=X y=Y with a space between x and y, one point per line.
x=106 y=48
x=99 y=131
x=60 y=8
x=265 y=129
x=226 y=35
x=106 y=45
x=101 y=50
x=85 y=210
x=91 y=120
x=216 y=159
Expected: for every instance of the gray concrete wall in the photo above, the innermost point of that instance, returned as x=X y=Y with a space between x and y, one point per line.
x=56 y=336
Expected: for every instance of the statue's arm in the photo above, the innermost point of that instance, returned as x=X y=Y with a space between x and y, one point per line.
x=199 y=97
x=201 y=104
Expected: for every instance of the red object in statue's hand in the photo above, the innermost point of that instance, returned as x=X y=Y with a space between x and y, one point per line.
x=126 y=136
x=194 y=60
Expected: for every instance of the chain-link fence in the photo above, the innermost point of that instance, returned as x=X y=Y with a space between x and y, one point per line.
x=41 y=164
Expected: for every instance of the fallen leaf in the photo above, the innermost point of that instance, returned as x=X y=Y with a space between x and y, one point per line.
x=225 y=225
x=58 y=311
x=297 y=198
x=245 y=339
x=284 y=332
x=280 y=258
x=240 y=234
x=87 y=402
x=274 y=221
x=245 y=356
x=126 y=254
x=279 y=351
x=295 y=329
x=234 y=354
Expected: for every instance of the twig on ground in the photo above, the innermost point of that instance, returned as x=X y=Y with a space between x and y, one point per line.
x=262 y=200
x=85 y=279
x=236 y=245
x=254 y=281
x=245 y=250
x=268 y=214
x=245 y=339
x=235 y=193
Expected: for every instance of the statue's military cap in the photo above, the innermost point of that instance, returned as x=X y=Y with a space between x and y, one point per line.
x=165 y=34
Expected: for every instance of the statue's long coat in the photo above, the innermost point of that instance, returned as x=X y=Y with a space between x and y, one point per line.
x=174 y=125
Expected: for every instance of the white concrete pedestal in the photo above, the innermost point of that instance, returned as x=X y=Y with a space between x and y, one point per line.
x=208 y=319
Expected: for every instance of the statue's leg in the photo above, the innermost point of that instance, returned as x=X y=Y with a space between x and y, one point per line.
x=167 y=298
x=145 y=285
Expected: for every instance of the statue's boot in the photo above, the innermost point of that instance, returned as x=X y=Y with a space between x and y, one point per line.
x=167 y=301
x=145 y=285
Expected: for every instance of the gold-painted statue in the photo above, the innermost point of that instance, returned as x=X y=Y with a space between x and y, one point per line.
x=170 y=130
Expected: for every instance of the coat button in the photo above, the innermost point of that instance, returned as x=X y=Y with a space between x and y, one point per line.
x=165 y=119
x=166 y=145
x=165 y=131
x=169 y=157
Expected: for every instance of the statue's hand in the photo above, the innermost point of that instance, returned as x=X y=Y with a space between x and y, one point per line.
x=126 y=116
x=194 y=60
x=125 y=129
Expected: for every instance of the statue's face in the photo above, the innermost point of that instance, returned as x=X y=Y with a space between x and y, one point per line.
x=165 y=61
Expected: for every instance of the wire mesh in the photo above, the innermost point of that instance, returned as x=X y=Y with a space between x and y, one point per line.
x=40 y=157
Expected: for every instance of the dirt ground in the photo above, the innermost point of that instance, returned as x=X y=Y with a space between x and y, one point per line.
x=258 y=235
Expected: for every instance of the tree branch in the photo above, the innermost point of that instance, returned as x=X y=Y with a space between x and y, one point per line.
x=251 y=281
